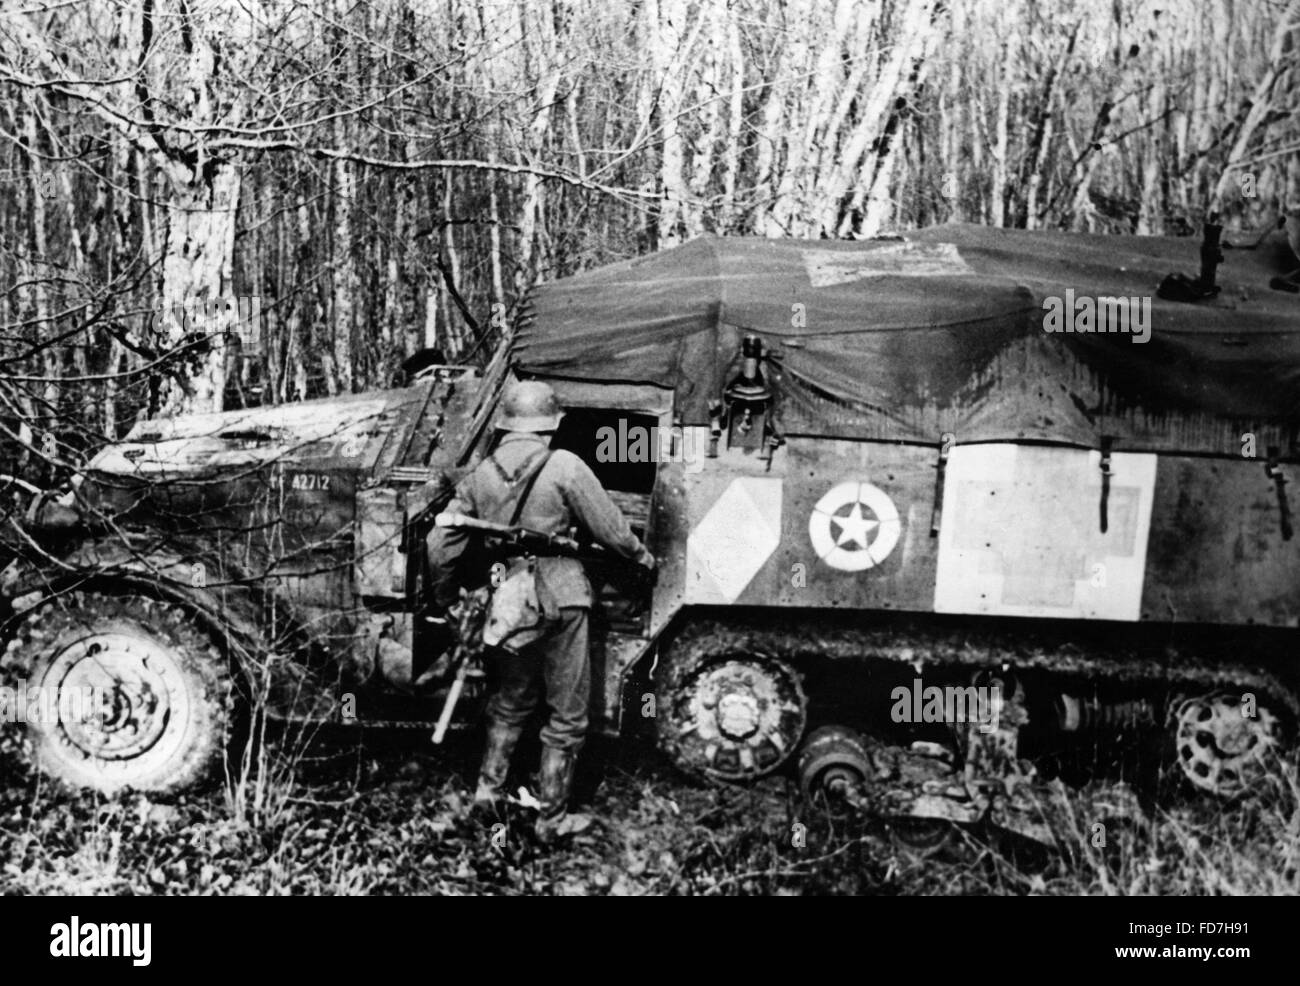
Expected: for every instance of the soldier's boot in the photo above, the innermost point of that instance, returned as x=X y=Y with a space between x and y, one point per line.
x=501 y=740
x=554 y=781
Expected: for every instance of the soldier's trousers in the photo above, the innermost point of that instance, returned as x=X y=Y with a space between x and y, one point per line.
x=561 y=664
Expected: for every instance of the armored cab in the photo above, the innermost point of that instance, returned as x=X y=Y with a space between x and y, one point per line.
x=248 y=556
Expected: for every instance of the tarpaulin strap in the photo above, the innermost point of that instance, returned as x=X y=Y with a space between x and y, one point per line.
x=1106 y=473
x=1274 y=472
x=936 y=511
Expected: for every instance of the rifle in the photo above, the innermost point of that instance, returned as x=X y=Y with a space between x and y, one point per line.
x=524 y=538
x=469 y=645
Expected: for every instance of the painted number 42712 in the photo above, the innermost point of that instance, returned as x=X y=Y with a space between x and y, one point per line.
x=309 y=481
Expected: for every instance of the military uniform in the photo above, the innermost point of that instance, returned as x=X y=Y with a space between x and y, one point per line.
x=565 y=493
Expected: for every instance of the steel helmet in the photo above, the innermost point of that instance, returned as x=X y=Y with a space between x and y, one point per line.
x=530 y=406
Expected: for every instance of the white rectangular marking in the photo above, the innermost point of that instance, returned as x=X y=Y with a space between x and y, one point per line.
x=1021 y=533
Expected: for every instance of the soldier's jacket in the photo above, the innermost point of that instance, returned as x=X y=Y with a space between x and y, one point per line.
x=566 y=493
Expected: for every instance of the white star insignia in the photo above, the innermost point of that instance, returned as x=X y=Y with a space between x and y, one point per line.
x=855 y=527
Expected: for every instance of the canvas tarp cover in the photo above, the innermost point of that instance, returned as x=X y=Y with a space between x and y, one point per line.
x=943 y=332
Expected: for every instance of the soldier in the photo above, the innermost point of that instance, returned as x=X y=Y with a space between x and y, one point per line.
x=558 y=490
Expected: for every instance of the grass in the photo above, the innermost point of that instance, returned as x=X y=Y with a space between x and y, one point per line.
x=388 y=815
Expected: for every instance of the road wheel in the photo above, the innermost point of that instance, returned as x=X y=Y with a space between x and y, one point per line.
x=1219 y=748
x=730 y=717
x=120 y=691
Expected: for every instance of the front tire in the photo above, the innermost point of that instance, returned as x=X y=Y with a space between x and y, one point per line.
x=121 y=691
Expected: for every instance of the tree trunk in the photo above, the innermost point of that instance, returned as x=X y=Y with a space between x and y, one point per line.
x=735 y=121
x=198 y=263
x=344 y=279
x=666 y=39
x=539 y=39
x=998 y=191
x=910 y=41
x=1281 y=55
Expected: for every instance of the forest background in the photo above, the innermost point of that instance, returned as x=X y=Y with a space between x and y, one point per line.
x=211 y=203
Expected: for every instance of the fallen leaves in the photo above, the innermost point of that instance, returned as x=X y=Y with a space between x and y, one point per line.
x=639 y=830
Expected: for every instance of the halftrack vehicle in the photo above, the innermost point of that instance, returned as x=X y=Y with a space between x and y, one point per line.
x=968 y=462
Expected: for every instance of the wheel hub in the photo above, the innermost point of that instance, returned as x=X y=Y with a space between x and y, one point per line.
x=1219 y=748
x=738 y=714
x=117 y=694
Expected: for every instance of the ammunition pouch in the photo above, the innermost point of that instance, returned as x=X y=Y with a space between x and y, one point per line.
x=522 y=610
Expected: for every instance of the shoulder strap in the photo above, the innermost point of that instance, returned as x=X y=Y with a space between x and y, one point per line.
x=534 y=472
x=527 y=476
